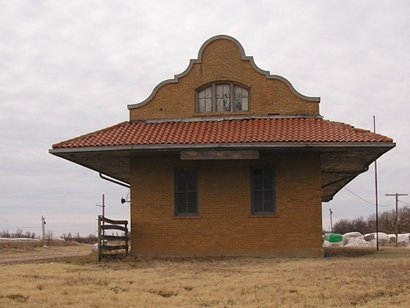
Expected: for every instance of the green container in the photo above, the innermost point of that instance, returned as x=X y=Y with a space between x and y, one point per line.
x=333 y=237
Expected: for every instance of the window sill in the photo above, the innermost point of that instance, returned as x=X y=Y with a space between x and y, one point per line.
x=187 y=217
x=264 y=216
x=222 y=114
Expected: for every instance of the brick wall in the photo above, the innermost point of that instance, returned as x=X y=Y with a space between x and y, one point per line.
x=224 y=225
x=221 y=60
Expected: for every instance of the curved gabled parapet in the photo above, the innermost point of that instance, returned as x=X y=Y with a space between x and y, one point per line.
x=256 y=68
x=244 y=57
x=165 y=82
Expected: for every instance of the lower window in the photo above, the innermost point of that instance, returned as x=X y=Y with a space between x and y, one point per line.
x=263 y=192
x=185 y=191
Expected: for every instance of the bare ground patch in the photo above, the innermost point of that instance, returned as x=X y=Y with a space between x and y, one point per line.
x=20 y=252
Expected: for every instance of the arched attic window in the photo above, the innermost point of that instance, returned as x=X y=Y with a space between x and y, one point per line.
x=222 y=97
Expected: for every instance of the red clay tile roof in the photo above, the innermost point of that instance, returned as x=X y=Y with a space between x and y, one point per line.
x=227 y=131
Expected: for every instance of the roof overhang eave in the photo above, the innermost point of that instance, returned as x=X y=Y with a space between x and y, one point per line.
x=276 y=145
x=114 y=161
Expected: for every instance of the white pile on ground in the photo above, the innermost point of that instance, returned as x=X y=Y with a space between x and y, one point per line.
x=329 y=244
x=383 y=237
x=358 y=241
x=12 y=239
x=402 y=239
x=352 y=234
x=347 y=237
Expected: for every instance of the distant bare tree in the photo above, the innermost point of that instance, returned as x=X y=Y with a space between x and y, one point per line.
x=404 y=220
x=28 y=234
x=65 y=237
x=5 y=234
x=89 y=239
x=387 y=223
x=49 y=235
x=342 y=226
x=371 y=223
x=18 y=233
x=360 y=225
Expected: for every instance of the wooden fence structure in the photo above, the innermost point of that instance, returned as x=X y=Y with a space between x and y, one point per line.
x=112 y=245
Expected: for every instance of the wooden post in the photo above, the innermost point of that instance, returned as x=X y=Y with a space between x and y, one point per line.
x=99 y=238
x=105 y=223
x=126 y=234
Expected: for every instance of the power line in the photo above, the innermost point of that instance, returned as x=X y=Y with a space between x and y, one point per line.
x=364 y=200
x=404 y=202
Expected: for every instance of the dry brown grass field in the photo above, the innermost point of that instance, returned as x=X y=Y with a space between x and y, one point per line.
x=364 y=280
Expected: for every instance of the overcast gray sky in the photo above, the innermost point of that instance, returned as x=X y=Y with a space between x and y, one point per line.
x=71 y=67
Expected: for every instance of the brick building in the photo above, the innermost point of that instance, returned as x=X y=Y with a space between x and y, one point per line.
x=226 y=159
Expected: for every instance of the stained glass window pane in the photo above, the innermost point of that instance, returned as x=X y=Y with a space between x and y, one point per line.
x=241 y=99
x=223 y=97
x=205 y=100
x=219 y=105
x=201 y=105
x=218 y=98
x=245 y=105
x=208 y=105
x=208 y=92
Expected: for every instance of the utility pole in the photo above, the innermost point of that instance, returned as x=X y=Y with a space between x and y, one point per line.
x=103 y=215
x=102 y=205
x=376 y=192
x=43 y=228
x=331 y=222
x=396 y=225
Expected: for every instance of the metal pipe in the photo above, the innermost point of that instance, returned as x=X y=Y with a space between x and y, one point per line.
x=114 y=181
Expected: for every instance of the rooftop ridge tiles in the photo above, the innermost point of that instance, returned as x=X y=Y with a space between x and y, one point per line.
x=228 y=118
